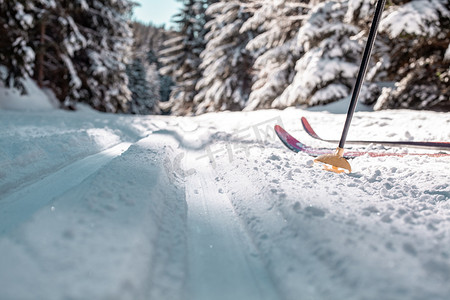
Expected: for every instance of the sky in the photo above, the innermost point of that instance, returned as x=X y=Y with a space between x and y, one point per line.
x=157 y=12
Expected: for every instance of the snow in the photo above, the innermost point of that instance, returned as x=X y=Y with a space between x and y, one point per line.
x=419 y=18
x=75 y=81
x=37 y=99
x=447 y=54
x=100 y=206
x=26 y=20
x=359 y=9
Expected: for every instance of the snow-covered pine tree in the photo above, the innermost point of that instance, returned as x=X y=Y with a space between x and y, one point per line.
x=55 y=38
x=181 y=56
x=419 y=31
x=101 y=65
x=143 y=77
x=327 y=70
x=51 y=37
x=144 y=85
x=149 y=40
x=16 y=53
x=154 y=80
x=226 y=64
x=360 y=13
x=275 y=52
x=155 y=43
x=166 y=83
x=77 y=48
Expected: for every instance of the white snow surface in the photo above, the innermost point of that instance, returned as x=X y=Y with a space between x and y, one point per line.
x=35 y=99
x=98 y=206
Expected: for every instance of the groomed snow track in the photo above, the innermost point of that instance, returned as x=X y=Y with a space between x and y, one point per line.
x=195 y=246
x=223 y=262
x=21 y=204
x=214 y=212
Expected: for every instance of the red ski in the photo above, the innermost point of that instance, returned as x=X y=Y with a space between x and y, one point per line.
x=409 y=144
x=296 y=146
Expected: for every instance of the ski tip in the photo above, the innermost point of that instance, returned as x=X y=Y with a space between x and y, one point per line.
x=281 y=132
x=309 y=129
x=288 y=140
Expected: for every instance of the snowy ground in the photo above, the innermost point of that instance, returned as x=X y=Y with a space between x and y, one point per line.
x=96 y=206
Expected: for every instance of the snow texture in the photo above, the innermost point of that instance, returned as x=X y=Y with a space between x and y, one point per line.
x=12 y=99
x=98 y=206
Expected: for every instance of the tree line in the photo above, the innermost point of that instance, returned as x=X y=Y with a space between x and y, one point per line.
x=228 y=54
x=254 y=54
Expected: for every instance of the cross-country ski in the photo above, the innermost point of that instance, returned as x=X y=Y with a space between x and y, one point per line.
x=293 y=144
x=413 y=144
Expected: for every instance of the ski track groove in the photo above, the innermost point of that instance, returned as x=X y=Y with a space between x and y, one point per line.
x=8 y=189
x=224 y=263
x=321 y=267
x=267 y=224
x=29 y=197
x=316 y=263
x=148 y=248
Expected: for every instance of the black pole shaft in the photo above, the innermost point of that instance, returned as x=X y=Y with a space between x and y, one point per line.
x=362 y=69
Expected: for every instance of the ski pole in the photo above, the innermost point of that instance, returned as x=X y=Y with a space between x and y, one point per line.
x=362 y=69
x=336 y=160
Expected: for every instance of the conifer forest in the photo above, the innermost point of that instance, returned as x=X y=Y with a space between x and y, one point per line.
x=226 y=54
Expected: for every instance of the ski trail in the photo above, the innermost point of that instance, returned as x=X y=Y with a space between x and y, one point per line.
x=20 y=205
x=222 y=260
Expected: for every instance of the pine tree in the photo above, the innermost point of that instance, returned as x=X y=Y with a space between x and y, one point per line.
x=419 y=32
x=16 y=53
x=101 y=65
x=144 y=85
x=181 y=58
x=226 y=64
x=77 y=48
x=328 y=67
x=55 y=38
x=154 y=81
x=149 y=40
x=142 y=82
x=276 y=24
x=166 y=83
